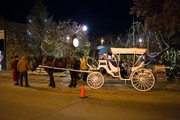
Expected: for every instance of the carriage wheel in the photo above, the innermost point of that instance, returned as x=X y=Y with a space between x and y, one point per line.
x=142 y=79
x=95 y=80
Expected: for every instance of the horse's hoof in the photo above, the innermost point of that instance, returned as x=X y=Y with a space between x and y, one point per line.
x=74 y=85
x=50 y=85
x=70 y=86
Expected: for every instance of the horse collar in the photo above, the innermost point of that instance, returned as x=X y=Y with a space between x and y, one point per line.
x=53 y=62
x=44 y=59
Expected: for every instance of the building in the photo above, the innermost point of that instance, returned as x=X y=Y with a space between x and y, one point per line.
x=12 y=37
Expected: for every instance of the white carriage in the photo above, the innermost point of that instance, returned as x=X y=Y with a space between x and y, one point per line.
x=133 y=68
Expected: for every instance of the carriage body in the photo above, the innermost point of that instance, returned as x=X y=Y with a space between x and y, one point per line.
x=129 y=64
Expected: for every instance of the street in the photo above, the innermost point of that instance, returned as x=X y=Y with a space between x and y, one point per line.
x=113 y=101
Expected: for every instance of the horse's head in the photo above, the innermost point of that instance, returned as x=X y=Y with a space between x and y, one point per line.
x=33 y=63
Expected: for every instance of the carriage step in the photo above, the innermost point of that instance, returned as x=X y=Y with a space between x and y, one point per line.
x=116 y=74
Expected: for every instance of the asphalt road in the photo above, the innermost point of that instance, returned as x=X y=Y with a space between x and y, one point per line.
x=114 y=101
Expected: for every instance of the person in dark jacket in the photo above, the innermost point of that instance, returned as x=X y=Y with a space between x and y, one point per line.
x=15 y=71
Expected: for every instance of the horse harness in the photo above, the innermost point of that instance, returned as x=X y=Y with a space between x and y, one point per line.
x=44 y=59
x=68 y=65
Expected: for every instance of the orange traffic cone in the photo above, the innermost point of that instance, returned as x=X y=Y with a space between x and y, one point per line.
x=82 y=95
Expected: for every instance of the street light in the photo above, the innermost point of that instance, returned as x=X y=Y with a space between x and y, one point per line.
x=67 y=38
x=140 y=41
x=81 y=28
x=75 y=42
x=102 y=41
x=84 y=28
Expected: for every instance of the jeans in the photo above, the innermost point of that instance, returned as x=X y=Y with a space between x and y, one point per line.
x=25 y=76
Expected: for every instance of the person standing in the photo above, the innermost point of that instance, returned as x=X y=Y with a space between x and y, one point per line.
x=22 y=67
x=84 y=67
x=15 y=71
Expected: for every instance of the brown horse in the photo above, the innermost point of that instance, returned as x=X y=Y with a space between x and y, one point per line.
x=63 y=62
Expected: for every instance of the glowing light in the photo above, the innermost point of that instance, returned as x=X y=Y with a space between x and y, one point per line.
x=67 y=37
x=102 y=41
x=75 y=42
x=84 y=28
x=29 y=33
x=29 y=20
x=140 y=40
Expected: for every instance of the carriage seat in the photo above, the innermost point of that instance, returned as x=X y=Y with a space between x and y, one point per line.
x=113 y=67
x=137 y=67
x=91 y=67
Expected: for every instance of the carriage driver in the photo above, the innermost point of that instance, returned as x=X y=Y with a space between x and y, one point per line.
x=84 y=67
x=146 y=58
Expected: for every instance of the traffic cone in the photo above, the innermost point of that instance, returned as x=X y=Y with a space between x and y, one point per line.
x=82 y=95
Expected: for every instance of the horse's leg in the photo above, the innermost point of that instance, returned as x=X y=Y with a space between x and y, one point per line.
x=52 y=82
x=73 y=82
x=76 y=77
x=85 y=76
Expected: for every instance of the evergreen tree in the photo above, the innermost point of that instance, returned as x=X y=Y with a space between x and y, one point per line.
x=40 y=24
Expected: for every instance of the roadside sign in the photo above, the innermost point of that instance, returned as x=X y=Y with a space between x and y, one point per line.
x=160 y=72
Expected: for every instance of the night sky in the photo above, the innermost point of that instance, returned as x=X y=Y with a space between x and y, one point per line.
x=101 y=16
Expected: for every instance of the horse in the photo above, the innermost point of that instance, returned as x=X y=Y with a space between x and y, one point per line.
x=62 y=62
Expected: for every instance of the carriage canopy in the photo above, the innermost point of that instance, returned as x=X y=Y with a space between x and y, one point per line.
x=127 y=50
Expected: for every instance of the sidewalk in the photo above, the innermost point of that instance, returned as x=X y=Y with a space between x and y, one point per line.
x=63 y=79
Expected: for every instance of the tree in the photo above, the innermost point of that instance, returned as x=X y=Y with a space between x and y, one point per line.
x=136 y=36
x=48 y=37
x=40 y=23
x=160 y=16
x=60 y=38
x=67 y=31
x=161 y=23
